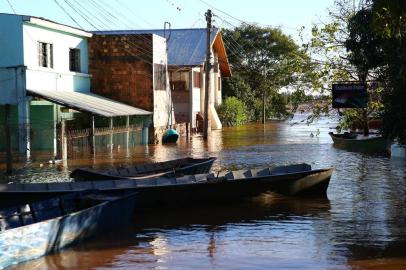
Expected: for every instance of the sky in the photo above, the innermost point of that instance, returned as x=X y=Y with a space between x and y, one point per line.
x=290 y=15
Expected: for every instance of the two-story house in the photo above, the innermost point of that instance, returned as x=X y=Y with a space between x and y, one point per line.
x=186 y=59
x=44 y=77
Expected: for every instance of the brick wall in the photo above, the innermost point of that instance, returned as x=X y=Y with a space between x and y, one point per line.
x=121 y=68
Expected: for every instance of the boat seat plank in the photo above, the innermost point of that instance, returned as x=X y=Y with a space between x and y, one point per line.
x=225 y=175
x=35 y=187
x=145 y=182
x=201 y=177
x=125 y=183
x=105 y=184
x=81 y=185
x=165 y=181
x=240 y=174
x=14 y=187
x=187 y=179
x=59 y=186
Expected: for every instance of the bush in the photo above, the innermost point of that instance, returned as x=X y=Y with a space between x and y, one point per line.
x=233 y=112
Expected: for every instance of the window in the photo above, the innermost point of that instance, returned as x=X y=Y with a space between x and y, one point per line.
x=219 y=83
x=74 y=60
x=45 y=55
x=196 y=79
x=160 y=77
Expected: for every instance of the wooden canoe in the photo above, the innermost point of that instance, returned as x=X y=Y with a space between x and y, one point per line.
x=185 y=166
x=186 y=190
x=358 y=142
x=35 y=229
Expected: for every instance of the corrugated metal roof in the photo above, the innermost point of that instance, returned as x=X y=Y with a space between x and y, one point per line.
x=89 y=102
x=186 y=47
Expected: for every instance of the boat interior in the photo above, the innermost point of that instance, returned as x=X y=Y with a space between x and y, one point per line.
x=44 y=210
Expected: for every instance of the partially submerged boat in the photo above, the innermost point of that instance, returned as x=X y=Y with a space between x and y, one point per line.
x=359 y=142
x=37 y=228
x=177 y=166
x=180 y=191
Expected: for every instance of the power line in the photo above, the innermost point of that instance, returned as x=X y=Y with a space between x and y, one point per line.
x=67 y=13
x=11 y=6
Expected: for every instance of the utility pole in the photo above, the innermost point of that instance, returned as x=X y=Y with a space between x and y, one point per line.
x=209 y=16
x=264 y=88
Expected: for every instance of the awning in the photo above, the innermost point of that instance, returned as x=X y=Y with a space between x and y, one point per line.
x=88 y=102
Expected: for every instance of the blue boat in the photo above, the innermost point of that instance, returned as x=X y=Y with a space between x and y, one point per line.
x=38 y=228
x=186 y=166
x=170 y=136
x=185 y=190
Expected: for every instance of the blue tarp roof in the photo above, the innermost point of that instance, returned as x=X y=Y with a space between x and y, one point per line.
x=186 y=47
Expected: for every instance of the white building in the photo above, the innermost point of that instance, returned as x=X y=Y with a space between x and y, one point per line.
x=44 y=60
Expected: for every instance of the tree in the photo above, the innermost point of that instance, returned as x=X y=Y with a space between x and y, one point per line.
x=347 y=52
x=389 y=23
x=267 y=60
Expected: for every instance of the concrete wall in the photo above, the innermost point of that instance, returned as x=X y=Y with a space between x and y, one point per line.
x=11 y=40
x=162 y=97
x=59 y=77
x=11 y=55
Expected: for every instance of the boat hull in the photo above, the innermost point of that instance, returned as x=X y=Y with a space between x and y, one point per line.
x=169 y=192
x=371 y=144
x=186 y=166
x=35 y=240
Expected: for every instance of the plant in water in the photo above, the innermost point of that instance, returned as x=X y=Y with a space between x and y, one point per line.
x=233 y=112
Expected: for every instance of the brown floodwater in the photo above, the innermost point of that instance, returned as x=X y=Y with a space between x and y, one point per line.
x=362 y=224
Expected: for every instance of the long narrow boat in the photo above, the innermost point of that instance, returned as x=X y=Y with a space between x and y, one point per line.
x=178 y=166
x=41 y=227
x=358 y=142
x=186 y=190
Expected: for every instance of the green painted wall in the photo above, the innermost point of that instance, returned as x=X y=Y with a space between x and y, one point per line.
x=13 y=129
x=42 y=127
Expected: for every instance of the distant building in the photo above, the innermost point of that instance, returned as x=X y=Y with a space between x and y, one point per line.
x=43 y=76
x=132 y=69
x=186 y=59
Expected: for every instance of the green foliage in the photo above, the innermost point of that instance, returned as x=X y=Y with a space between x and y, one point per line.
x=267 y=61
x=236 y=87
x=389 y=23
x=233 y=112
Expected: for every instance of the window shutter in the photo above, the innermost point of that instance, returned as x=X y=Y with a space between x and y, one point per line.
x=51 y=56
x=39 y=54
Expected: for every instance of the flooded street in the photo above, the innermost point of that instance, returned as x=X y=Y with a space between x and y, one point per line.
x=362 y=224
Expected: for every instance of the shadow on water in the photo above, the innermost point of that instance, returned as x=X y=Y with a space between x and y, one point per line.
x=144 y=242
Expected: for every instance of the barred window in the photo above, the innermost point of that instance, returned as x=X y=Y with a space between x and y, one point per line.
x=74 y=60
x=45 y=55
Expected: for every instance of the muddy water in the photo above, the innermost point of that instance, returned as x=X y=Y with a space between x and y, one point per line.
x=362 y=225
